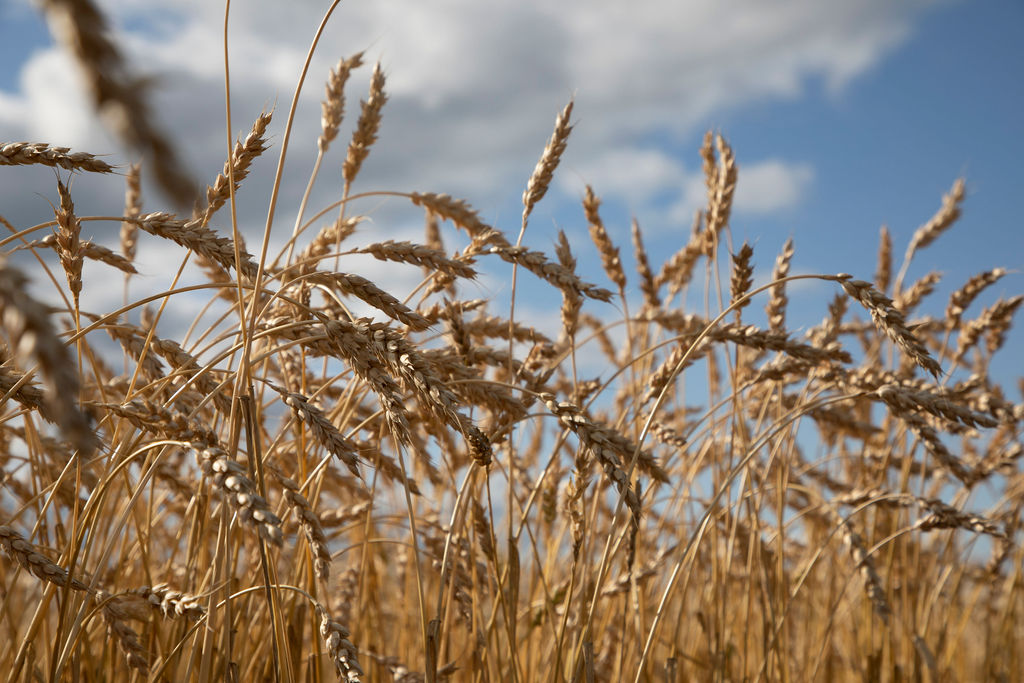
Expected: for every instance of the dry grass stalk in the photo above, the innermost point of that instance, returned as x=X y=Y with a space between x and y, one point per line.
x=540 y=179
x=366 y=130
x=332 y=109
x=28 y=153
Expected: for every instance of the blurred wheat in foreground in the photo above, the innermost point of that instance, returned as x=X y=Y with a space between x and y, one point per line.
x=294 y=489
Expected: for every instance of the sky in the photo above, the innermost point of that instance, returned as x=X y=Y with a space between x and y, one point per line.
x=843 y=117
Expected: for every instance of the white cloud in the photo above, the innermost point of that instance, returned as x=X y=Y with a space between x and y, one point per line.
x=771 y=186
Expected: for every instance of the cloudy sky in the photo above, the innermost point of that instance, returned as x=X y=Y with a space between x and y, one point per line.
x=843 y=116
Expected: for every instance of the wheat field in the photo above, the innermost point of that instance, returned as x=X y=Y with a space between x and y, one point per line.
x=320 y=479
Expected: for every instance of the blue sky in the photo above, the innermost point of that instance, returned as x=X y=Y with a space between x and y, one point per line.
x=843 y=117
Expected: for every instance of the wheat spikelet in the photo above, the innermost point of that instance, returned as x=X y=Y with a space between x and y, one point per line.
x=721 y=182
x=866 y=567
x=232 y=480
x=943 y=516
x=332 y=109
x=776 y=308
x=340 y=649
x=88 y=249
x=81 y=27
x=32 y=335
x=553 y=273
x=68 y=243
x=890 y=320
x=908 y=299
x=40 y=566
x=170 y=603
x=433 y=260
x=742 y=277
x=361 y=288
x=237 y=167
x=677 y=271
x=572 y=301
x=902 y=399
x=648 y=285
x=993 y=323
x=939 y=223
x=323 y=430
x=27 y=153
x=192 y=234
x=125 y=636
x=540 y=179
x=883 y=271
x=366 y=130
x=310 y=523
x=963 y=297
x=608 y=251
x=132 y=209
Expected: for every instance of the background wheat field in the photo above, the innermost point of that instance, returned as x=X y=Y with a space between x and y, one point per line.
x=270 y=466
